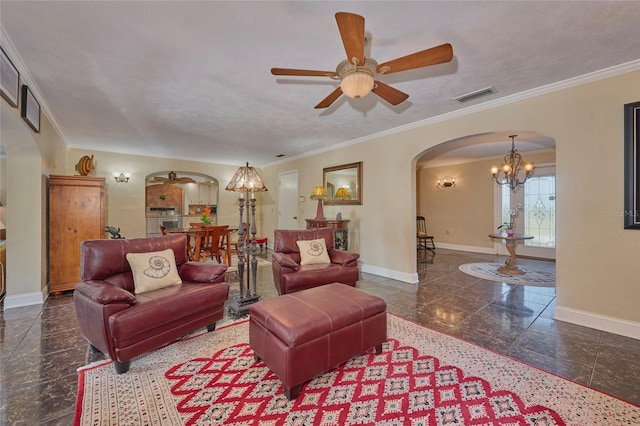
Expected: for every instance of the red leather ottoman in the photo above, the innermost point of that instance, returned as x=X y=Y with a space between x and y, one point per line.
x=306 y=333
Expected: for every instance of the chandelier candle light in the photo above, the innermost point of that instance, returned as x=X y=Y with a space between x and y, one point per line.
x=511 y=168
x=246 y=180
x=319 y=193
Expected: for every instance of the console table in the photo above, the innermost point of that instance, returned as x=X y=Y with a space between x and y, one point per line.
x=510 y=263
x=340 y=230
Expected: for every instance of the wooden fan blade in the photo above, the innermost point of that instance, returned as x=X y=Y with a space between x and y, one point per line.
x=160 y=179
x=185 y=180
x=435 y=55
x=388 y=93
x=330 y=99
x=351 y=28
x=309 y=73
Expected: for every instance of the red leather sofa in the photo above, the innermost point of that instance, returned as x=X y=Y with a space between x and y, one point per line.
x=122 y=324
x=289 y=276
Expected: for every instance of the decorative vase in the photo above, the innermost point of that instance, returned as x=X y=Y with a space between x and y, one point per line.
x=510 y=232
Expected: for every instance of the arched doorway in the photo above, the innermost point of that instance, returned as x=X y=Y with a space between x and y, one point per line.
x=461 y=216
x=174 y=199
x=24 y=212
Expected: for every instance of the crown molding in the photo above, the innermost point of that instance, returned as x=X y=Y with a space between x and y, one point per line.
x=517 y=97
x=26 y=78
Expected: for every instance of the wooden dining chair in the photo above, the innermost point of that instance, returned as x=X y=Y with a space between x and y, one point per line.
x=231 y=246
x=424 y=241
x=214 y=235
x=163 y=230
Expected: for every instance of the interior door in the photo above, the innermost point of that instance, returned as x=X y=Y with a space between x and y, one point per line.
x=288 y=200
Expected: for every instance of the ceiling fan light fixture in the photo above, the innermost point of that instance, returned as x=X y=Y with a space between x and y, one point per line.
x=357 y=85
x=356 y=81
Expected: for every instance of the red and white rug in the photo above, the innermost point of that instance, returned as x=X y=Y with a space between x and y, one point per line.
x=422 y=377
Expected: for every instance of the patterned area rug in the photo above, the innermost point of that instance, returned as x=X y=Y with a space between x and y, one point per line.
x=422 y=377
x=489 y=271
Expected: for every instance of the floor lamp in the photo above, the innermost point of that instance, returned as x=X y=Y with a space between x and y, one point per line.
x=247 y=182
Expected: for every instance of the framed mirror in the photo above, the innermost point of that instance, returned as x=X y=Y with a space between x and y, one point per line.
x=343 y=183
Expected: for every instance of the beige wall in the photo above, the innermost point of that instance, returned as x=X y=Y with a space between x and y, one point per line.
x=125 y=202
x=464 y=215
x=597 y=284
x=31 y=157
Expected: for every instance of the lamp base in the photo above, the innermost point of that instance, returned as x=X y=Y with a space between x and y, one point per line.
x=319 y=211
x=239 y=307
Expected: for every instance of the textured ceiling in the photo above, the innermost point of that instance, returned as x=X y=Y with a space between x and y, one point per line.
x=192 y=80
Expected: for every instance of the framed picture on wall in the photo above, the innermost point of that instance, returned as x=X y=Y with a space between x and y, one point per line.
x=632 y=165
x=30 y=109
x=9 y=79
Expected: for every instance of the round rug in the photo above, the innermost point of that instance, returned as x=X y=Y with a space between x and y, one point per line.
x=489 y=271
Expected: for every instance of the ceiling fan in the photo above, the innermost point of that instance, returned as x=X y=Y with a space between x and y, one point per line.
x=357 y=73
x=173 y=178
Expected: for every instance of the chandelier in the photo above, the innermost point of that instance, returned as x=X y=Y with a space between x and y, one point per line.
x=512 y=167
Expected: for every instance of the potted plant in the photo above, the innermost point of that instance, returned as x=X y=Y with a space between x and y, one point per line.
x=509 y=228
x=206 y=216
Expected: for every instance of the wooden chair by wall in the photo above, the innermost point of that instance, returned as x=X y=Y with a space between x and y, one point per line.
x=424 y=241
x=163 y=230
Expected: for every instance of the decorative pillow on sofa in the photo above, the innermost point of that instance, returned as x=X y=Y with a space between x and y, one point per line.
x=313 y=252
x=153 y=270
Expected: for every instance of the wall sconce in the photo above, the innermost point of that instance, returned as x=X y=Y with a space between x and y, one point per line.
x=121 y=177
x=446 y=183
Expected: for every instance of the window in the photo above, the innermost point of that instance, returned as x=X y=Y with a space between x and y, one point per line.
x=539 y=215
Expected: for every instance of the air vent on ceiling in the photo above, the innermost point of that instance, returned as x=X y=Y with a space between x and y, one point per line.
x=473 y=95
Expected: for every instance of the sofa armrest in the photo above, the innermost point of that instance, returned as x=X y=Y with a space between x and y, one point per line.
x=197 y=272
x=104 y=293
x=285 y=261
x=344 y=258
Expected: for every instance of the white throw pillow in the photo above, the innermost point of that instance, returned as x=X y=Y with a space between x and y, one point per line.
x=313 y=252
x=153 y=270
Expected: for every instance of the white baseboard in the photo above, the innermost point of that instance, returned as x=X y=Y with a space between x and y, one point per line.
x=599 y=322
x=24 y=299
x=390 y=273
x=474 y=249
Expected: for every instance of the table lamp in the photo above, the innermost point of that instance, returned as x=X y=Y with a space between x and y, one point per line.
x=343 y=194
x=319 y=193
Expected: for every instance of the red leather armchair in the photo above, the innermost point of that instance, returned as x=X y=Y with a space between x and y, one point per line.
x=289 y=276
x=122 y=324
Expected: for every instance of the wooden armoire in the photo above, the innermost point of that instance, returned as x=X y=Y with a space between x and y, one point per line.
x=76 y=213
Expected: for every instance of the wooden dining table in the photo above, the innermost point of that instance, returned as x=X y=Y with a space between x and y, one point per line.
x=196 y=235
x=193 y=234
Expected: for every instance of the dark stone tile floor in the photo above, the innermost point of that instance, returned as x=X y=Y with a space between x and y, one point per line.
x=41 y=346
